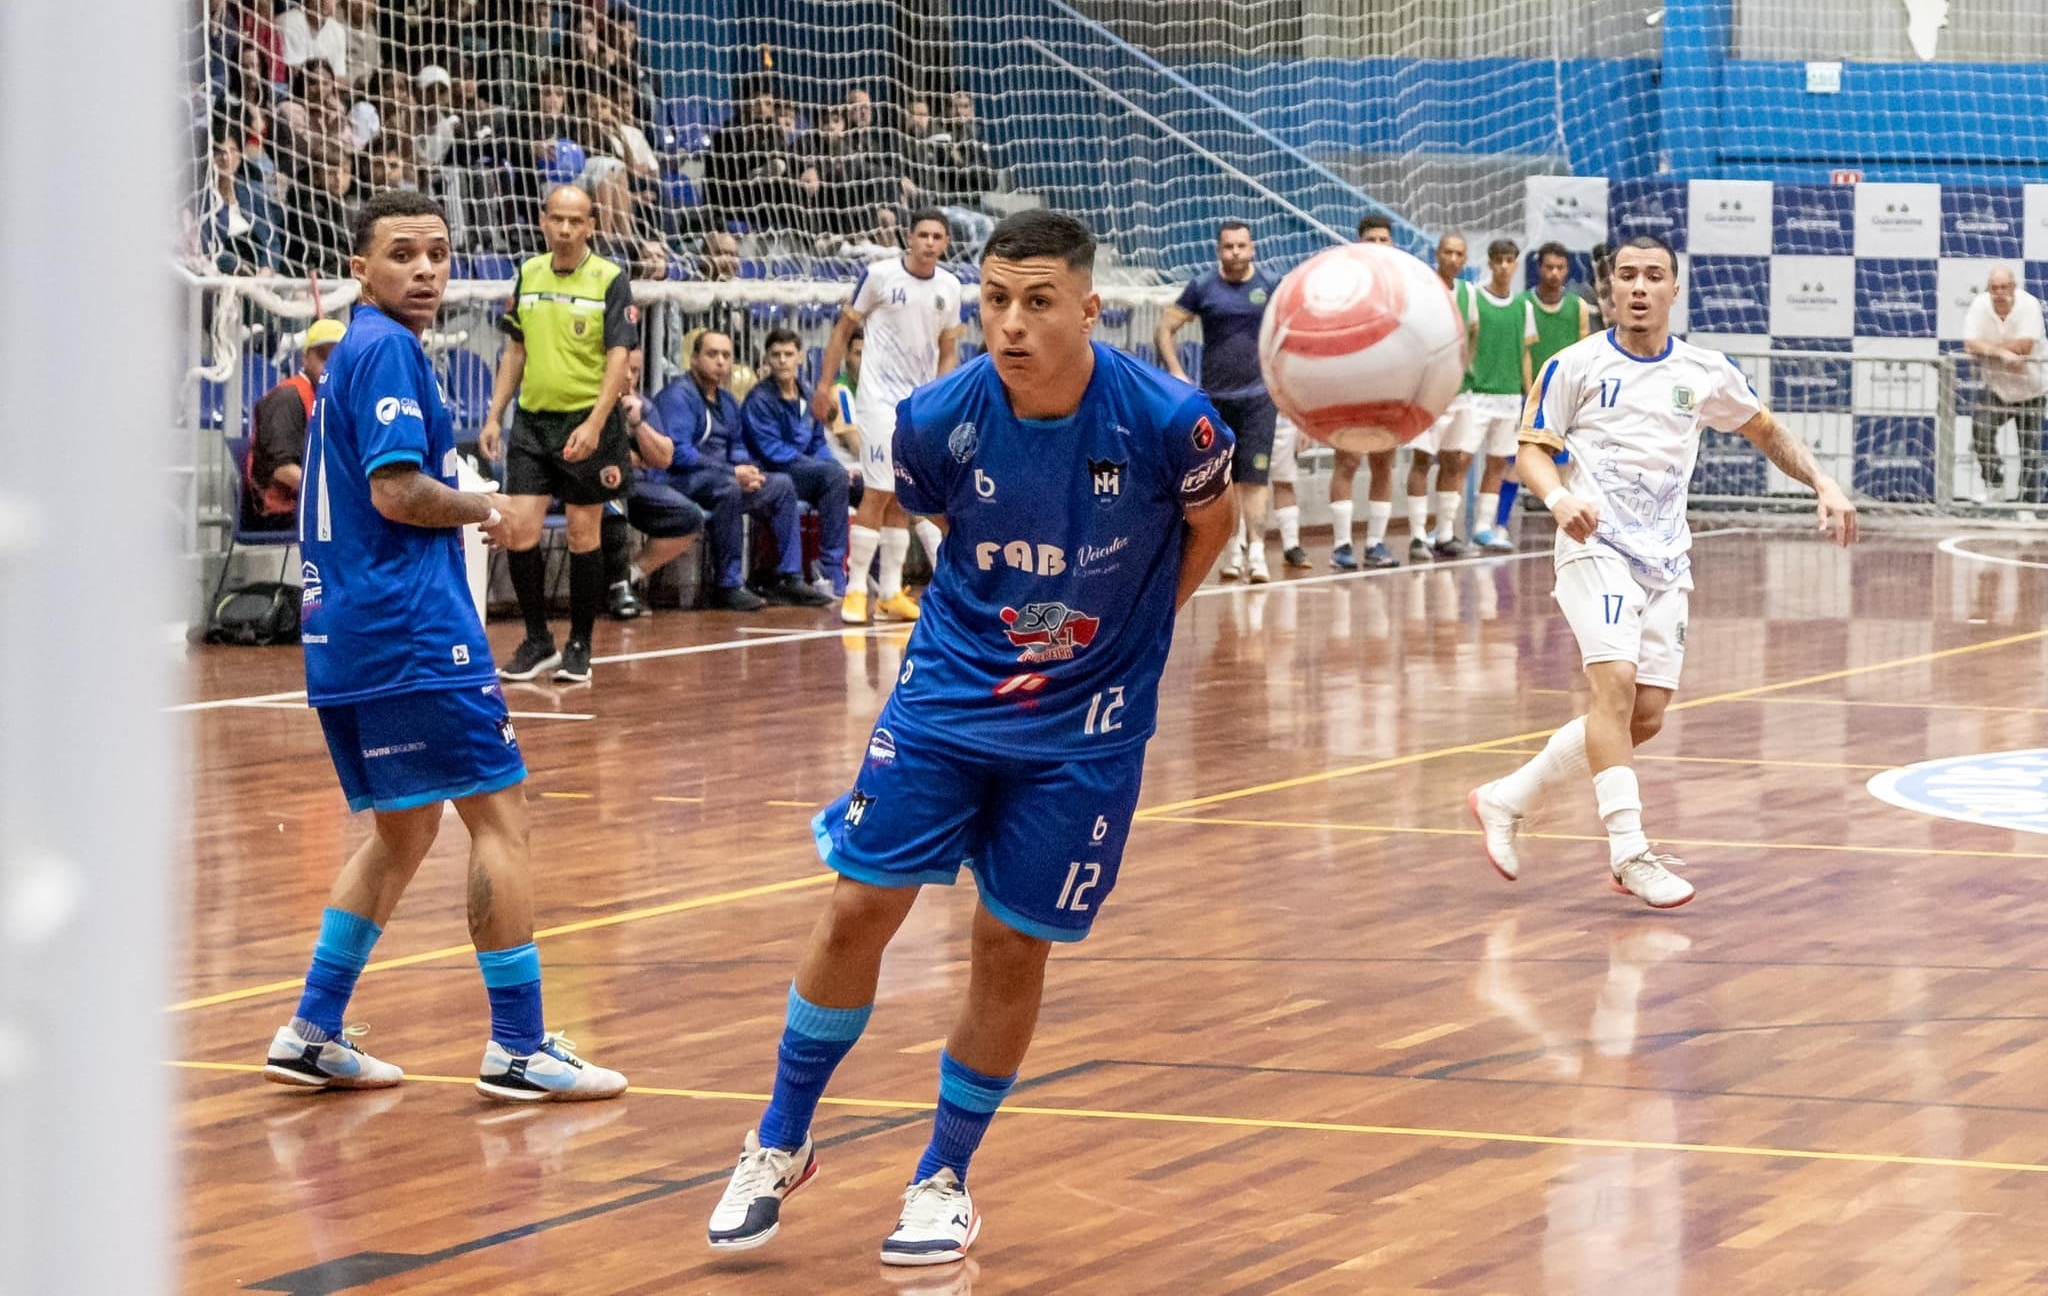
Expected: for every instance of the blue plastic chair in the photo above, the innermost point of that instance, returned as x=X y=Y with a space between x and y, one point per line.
x=469 y=389
x=567 y=165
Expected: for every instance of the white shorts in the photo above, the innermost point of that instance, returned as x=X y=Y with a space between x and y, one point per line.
x=1492 y=421
x=877 y=425
x=1448 y=433
x=1286 y=444
x=1616 y=619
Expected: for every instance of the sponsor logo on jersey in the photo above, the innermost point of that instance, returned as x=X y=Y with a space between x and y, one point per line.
x=882 y=747
x=1020 y=687
x=1049 y=631
x=459 y=654
x=1205 y=433
x=1107 y=476
x=984 y=485
x=392 y=406
x=506 y=733
x=1998 y=789
x=903 y=475
x=309 y=585
x=1040 y=560
x=857 y=808
x=1092 y=554
x=963 y=441
x=1202 y=474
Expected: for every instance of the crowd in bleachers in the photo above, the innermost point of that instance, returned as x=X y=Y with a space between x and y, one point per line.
x=304 y=106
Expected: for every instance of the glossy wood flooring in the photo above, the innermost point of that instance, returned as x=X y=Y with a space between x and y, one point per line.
x=1314 y=1044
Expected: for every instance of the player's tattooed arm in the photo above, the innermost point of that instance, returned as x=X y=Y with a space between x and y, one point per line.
x=1795 y=459
x=402 y=493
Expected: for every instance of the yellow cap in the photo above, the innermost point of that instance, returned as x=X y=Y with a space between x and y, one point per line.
x=324 y=332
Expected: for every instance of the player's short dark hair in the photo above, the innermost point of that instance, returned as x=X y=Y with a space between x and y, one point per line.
x=697 y=342
x=1377 y=220
x=1553 y=249
x=1039 y=232
x=859 y=334
x=923 y=214
x=781 y=337
x=1502 y=248
x=1649 y=241
x=387 y=203
x=1229 y=225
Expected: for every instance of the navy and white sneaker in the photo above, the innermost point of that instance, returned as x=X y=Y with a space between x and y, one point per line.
x=750 y=1212
x=938 y=1223
x=1378 y=557
x=551 y=1073
x=1343 y=559
x=330 y=1064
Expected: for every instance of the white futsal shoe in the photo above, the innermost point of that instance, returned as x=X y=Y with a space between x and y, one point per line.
x=938 y=1223
x=331 y=1064
x=1499 y=825
x=551 y=1073
x=750 y=1211
x=1648 y=877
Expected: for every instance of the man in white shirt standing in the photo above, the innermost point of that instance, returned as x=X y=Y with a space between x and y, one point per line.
x=908 y=310
x=2003 y=331
x=1629 y=405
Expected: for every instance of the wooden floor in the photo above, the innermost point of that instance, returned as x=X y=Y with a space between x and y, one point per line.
x=1314 y=1044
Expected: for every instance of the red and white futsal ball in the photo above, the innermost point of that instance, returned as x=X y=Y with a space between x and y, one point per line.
x=1362 y=347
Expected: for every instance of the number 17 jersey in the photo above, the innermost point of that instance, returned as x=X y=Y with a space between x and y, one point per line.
x=1050 y=614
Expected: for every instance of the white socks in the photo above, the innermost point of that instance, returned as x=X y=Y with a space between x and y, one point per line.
x=1340 y=522
x=861 y=543
x=1621 y=809
x=1377 y=514
x=1489 y=513
x=1562 y=758
x=895 y=548
x=1418 y=518
x=1289 y=519
x=929 y=535
x=1447 y=503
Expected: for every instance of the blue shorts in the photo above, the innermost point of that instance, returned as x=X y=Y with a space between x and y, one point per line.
x=1044 y=839
x=414 y=749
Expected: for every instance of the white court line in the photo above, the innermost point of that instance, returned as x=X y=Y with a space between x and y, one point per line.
x=1953 y=547
x=1409 y=569
x=300 y=705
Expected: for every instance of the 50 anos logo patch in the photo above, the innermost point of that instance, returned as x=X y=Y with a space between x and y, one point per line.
x=1996 y=789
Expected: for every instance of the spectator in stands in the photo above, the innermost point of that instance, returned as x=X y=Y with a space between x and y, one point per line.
x=884 y=238
x=391 y=165
x=741 y=152
x=624 y=158
x=651 y=260
x=656 y=509
x=238 y=226
x=364 y=53
x=2004 y=332
x=712 y=467
x=277 y=452
x=252 y=87
x=313 y=34
x=973 y=161
x=875 y=171
x=927 y=158
x=783 y=437
x=255 y=140
x=316 y=223
x=518 y=50
x=721 y=260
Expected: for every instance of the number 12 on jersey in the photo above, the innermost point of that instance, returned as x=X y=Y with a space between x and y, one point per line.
x=1102 y=709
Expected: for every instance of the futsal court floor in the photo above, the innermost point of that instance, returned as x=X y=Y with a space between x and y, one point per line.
x=1314 y=1044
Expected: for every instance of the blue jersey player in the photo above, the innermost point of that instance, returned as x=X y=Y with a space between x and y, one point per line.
x=1085 y=495
x=398 y=668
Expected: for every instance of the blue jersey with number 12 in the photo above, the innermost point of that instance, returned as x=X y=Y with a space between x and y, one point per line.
x=1051 y=612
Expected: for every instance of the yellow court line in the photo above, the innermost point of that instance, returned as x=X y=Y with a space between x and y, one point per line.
x=680 y=800
x=1905 y=706
x=587 y=924
x=1719 y=760
x=800 y=805
x=1392 y=762
x=567 y=796
x=1582 y=837
x=1312 y=1127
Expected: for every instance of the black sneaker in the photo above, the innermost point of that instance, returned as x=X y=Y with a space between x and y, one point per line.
x=1296 y=558
x=1378 y=557
x=623 y=604
x=1449 y=547
x=792 y=591
x=737 y=599
x=533 y=658
x=575 y=667
x=1418 y=550
x=1343 y=559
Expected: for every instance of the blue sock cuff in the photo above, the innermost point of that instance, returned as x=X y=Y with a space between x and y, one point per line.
x=505 y=968
x=831 y=1024
x=347 y=938
x=964 y=1087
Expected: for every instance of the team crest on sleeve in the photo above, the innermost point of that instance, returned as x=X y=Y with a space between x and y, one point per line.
x=1205 y=433
x=1107 y=477
x=1049 y=631
x=963 y=442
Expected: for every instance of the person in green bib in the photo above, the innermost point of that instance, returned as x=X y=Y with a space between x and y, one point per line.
x=1495 y=384
x=571 y=332
x=1556 y=317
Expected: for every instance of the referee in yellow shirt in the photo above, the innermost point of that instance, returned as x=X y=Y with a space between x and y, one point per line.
x=572 y=329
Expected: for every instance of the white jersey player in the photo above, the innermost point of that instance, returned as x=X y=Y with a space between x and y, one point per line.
x=908 y=310
x=1629 y=405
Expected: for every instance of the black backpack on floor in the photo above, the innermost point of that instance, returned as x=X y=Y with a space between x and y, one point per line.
x=257 y=615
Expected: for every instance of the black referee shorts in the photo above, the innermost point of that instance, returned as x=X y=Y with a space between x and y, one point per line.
x=1252 y=421
x=534 y=463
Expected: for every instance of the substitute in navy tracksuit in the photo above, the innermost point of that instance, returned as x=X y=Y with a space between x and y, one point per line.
x=782 y=437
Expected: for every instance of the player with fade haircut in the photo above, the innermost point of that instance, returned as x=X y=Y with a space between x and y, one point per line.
x=1629 y=404
x=398 y=667
x=908 y=311
x=1087 y=494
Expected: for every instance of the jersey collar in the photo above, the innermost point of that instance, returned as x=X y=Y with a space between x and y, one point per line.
x=1670 y=340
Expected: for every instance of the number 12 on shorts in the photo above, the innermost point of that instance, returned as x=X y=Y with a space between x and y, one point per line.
x=1611 y=606
x=1082 y=878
